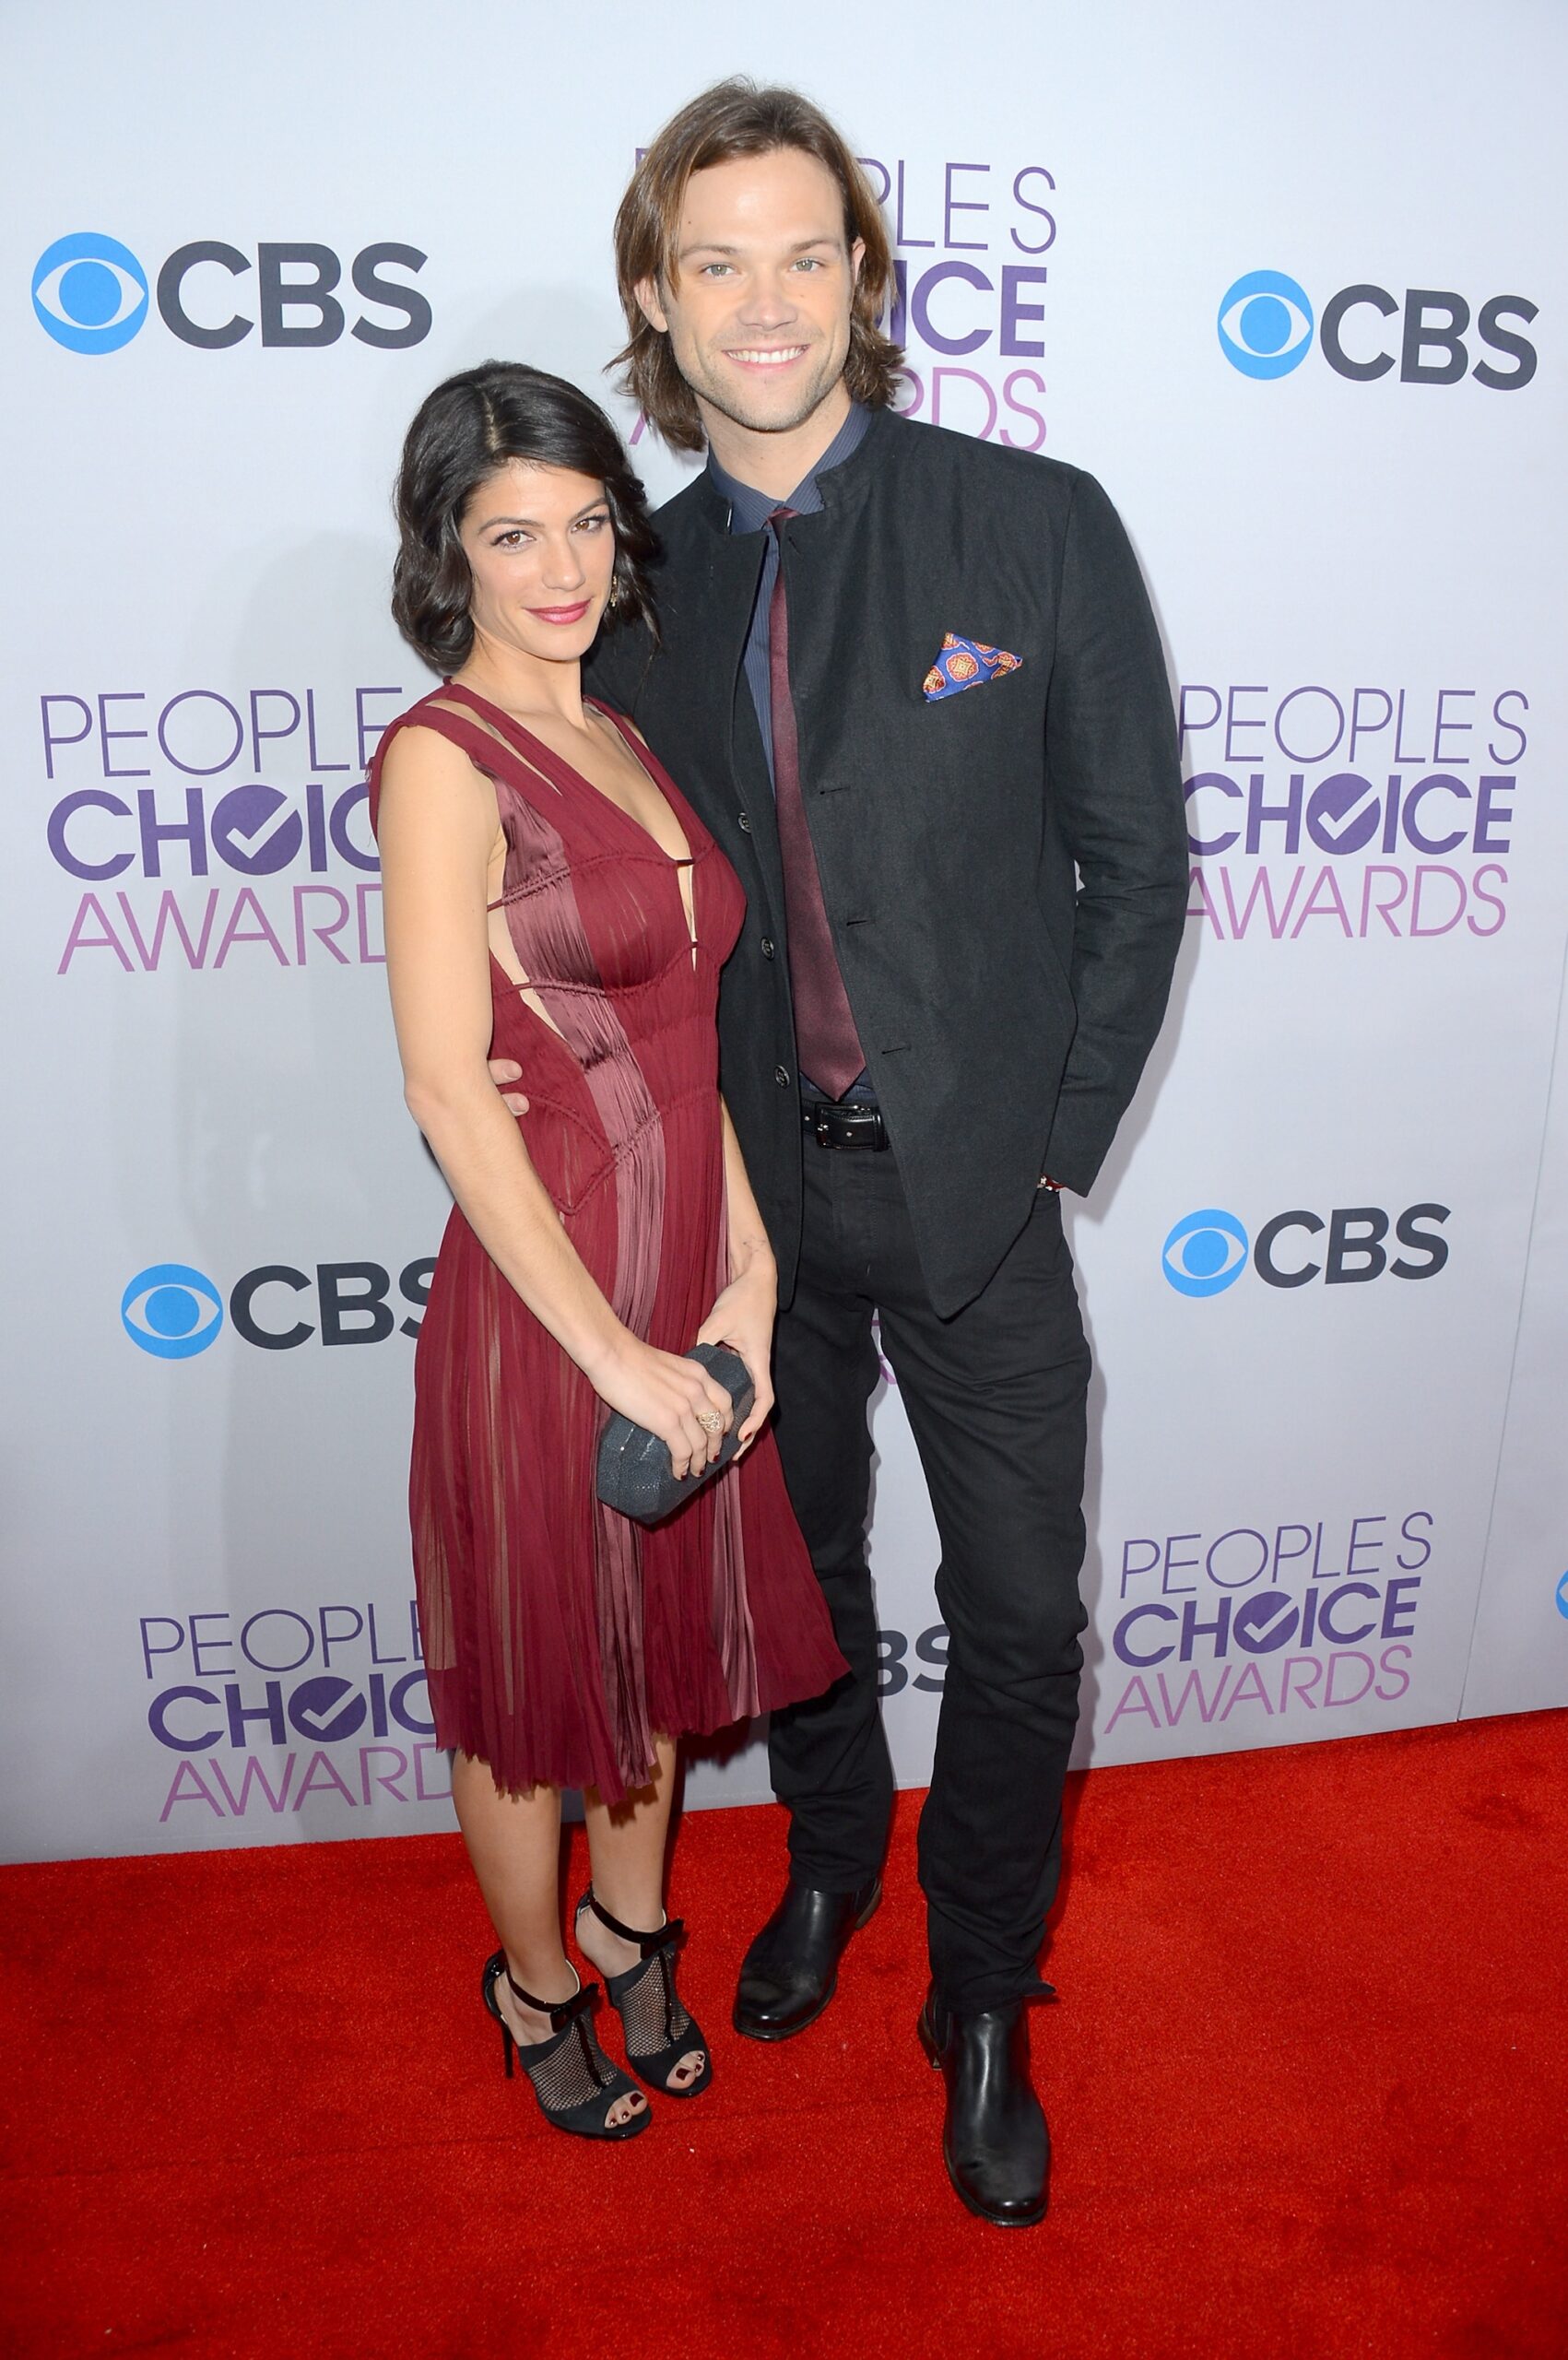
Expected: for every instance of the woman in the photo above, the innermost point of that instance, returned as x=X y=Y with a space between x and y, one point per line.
x=549 y=897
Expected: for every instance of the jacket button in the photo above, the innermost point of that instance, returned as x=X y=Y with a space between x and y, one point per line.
x=767 y=946
x=745 y=824
x=780 y=1075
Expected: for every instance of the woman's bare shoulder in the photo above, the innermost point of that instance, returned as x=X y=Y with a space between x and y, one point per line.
x=421 y=750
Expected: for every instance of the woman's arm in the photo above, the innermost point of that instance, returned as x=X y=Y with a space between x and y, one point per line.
x=743 y=1316
x=437 y=829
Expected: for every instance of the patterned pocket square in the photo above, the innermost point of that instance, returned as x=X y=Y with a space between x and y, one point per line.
x=966 y=663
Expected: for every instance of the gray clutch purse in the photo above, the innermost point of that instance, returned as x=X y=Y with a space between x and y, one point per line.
x=635 y=1472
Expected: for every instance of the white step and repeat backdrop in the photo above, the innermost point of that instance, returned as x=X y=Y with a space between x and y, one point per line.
x=1293 y=287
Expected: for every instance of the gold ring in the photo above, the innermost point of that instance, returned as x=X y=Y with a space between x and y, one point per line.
x=710 y=1421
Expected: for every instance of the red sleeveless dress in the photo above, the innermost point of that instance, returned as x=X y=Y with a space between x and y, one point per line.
x=560 y=1638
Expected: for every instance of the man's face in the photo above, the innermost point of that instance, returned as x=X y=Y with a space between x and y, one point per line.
x=759 y=311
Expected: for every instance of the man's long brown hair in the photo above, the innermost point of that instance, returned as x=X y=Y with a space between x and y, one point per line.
x=736 y=118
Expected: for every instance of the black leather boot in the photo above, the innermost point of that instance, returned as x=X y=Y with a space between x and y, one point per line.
x=994 y=2141
x=791 y=1971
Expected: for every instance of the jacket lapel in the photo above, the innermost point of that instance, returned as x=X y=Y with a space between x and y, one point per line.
x=753 y=791
x=716 y=613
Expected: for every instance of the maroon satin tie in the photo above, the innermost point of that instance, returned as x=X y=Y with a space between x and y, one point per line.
x=826 y=1044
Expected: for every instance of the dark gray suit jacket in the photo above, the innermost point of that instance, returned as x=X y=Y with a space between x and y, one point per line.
x=1005 y=869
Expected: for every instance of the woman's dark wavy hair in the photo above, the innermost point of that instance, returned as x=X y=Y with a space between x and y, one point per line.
x=462 y=433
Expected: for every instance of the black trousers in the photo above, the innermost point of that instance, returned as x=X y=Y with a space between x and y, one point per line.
x=995 y=1399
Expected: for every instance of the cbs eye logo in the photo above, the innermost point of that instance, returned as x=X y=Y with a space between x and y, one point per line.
x=1266 y=326
x=1206 y=1253
x=90 y=292
x=172 y=1311
x=1265 y=322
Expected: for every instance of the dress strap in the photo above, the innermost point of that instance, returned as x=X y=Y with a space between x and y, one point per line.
x=647 y=760
x=493 y=754
x=504 y=729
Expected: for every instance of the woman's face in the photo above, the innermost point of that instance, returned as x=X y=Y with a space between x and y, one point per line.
x=541 y=547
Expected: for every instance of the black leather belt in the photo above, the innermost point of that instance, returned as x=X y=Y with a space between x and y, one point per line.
x=845 y=1125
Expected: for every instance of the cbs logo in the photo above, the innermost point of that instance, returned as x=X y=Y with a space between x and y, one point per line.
x=893 y=1671
x=172 y=1311
x=1208 y=1251
x=1266 y=330
x=175 y=1311
x=91 y=294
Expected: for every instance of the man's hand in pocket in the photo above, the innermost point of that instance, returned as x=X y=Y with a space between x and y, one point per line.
x=502 y=1071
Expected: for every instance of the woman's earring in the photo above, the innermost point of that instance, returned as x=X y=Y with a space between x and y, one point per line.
x=614 y=599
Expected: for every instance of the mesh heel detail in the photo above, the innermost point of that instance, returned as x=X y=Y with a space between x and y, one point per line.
x=570 y=2072
x=650 y=2013
x=573 y=2081
x=658 y=2031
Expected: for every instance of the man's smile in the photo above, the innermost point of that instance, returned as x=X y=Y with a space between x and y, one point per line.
x=764 y=356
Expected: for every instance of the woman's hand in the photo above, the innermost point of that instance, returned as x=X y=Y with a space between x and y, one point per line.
x=743 y=1319
x=670 y=1396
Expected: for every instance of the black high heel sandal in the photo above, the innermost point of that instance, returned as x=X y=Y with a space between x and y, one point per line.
x=573 y=2080
x=659 y=2032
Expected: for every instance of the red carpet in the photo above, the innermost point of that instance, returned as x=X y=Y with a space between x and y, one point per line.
x=1308 y=2084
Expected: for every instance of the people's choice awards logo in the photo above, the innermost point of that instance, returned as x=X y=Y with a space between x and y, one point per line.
x=1563 y=1597
x=1359 y=809
x=249 y=835
x=90 y=292
x=172 y=1311
x=1206 y=1253
x=1265 y=322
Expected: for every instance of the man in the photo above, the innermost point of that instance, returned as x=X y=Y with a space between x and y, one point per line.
x=911 y=683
